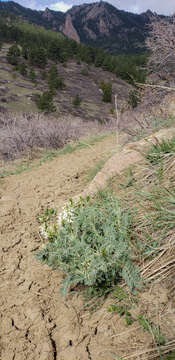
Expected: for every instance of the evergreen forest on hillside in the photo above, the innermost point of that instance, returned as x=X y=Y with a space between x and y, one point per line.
x=39 y=45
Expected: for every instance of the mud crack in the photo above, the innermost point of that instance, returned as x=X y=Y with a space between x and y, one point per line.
x=5 y=250
x=95 y=331
x=27 y=335
x=29 y=288
x=19 y=262
x=88 y=351
x=13 y=325
x=53 y=343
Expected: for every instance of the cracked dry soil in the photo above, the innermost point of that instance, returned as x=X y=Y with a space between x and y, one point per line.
x=36 y=323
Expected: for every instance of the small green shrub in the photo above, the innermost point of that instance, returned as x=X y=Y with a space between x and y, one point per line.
x=45 y=102
x=32 y=75
x=43 y=74
x=13 y=54
x=84 y=71
x=76 y=101
x=91 y=243
x=101 y=120
x=123 y=312
x=119 y=309
x=54 y=80
x=123 y=305
x=134 y=98
x=78 y=61
x=170 y=356
x=120 y=294
x=47 y=215
x=107 y=91
x=128 y=318
x=22 y=69
x=14 y=75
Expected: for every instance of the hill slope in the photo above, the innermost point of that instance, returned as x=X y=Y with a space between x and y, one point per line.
x=17 y=92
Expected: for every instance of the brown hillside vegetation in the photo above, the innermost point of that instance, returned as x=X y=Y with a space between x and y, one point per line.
x=36 y=322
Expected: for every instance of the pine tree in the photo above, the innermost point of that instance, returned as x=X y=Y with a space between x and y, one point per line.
x=107 y=91
x=43 y=74
x=76 y=101
x=22 y=69
x=45 y=102
x=13 y=54
x=32 y=75
x=54 y=80
x=37 y=57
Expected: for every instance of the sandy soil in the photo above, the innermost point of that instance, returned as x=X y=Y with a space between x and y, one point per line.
x=36 y=323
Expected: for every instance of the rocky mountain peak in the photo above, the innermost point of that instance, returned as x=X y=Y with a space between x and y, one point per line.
x=99 y=24
x=47 y=14
x=68 y=29
x=148 y=14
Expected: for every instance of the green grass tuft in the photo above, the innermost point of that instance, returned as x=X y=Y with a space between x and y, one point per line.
x=170 y=356
x=93 y=171
x=158 y=151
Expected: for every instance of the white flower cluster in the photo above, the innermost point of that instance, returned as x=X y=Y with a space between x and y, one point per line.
x=47 y=231
x=43 y=230
x=67 y=214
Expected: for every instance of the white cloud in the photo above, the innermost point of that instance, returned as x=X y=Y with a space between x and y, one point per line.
x=32 y=4
x=138 y=6
x=60 y=6
x=134 y=9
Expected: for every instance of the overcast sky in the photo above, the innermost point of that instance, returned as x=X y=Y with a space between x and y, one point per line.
x=160 y=6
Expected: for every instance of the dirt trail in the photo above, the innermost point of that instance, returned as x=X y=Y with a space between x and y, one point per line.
x=35 y=321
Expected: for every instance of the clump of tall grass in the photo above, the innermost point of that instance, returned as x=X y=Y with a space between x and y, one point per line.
x=161 y=149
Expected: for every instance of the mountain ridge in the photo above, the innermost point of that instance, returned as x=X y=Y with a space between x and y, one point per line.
x=98 y=24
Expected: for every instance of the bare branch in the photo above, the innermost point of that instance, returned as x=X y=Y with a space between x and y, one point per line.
x=156 y=86
x=161 y=43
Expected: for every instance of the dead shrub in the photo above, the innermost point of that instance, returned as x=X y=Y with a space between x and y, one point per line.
x=26 y=132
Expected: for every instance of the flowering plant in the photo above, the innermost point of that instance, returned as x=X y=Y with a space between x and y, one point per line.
x=90 y=243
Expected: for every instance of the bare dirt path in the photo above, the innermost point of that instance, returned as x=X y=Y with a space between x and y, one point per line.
x=35 y=321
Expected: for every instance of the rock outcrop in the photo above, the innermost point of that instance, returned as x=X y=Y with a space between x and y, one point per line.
x=69 y=30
